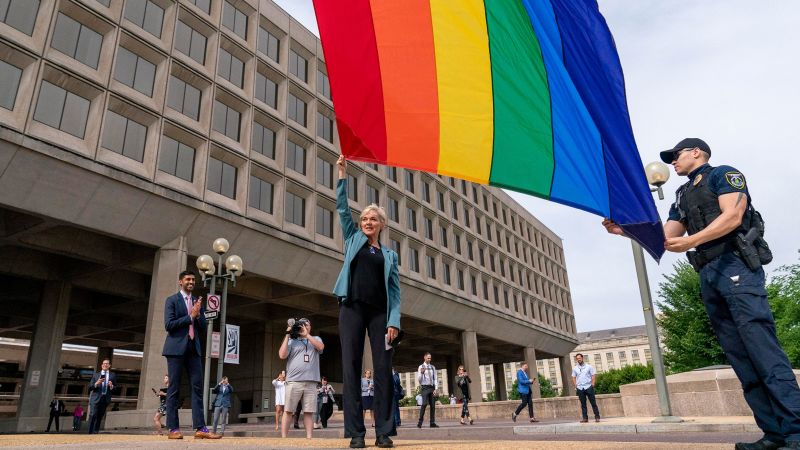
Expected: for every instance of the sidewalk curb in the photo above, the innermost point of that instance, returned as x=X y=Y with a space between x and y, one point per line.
x=686 y=427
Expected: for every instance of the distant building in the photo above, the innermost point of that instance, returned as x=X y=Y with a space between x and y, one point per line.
x=614 y=348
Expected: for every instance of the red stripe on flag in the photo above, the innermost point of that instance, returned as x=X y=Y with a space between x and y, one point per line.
x=351 y=55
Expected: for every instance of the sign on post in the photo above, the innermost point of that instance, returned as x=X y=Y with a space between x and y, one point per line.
x=212 y=306
x=232 y=344
x=215 y=344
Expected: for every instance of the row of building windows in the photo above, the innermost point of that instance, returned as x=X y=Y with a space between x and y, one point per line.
x=82 y=43
x=409 y=184
x=610 y=363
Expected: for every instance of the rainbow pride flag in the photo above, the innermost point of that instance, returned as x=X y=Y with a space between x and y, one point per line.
x=526 y=95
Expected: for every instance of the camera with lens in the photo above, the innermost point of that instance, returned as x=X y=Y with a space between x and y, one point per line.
x=295 y=326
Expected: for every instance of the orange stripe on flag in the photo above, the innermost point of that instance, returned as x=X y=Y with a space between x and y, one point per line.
x=404 y=35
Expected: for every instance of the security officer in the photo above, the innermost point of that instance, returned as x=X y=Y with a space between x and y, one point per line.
x=714 y=208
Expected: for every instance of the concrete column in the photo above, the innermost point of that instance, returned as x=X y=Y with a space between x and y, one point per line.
x=469 y=358
x=565 y=364
x=529 y=356
x=44 y=357
x=451 y=364
x=104 y=353
x=500 y=381
x=170 y=260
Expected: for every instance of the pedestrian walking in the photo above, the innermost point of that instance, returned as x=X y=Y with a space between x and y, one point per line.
x=162 y=405
x=524 y=383
x=77 y=417
x=462 y=382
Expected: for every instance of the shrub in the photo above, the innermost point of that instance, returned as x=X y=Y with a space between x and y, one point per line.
x=609 y=382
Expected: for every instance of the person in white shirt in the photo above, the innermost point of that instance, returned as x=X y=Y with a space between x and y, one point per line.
x=583 y=377
x=429 y=384
x=280 y=400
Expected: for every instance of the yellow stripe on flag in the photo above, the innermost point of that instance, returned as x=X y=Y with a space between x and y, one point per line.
x=464 y=76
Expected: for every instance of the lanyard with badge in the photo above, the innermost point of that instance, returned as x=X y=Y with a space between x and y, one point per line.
x=306 y=356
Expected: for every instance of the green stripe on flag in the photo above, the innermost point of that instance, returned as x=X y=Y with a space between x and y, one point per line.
x=523 y=133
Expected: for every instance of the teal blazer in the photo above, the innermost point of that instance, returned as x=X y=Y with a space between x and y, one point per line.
x=354 y=239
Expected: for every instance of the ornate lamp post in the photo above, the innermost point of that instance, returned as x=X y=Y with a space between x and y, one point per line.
x=211 y=274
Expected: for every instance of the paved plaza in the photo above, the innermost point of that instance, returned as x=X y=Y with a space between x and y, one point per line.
x=622 y=433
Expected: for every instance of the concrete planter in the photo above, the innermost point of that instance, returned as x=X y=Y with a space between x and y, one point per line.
x=702 y=392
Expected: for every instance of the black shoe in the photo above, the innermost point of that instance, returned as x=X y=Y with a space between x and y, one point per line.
x=792 y=445
x=357 y=442
x=433 y=425
x=384 y=442
x=296 y=426
x=761 y=444
x=514 y=417
x=419 y=424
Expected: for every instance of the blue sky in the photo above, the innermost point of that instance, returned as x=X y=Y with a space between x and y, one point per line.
x=722 y=70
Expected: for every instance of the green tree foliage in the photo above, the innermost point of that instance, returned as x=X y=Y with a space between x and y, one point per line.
x=490 y=396
x=687 y=334
x=546 y=387
x=784 y=298
x=408 y=401
x=514 y=394
x=609 y=382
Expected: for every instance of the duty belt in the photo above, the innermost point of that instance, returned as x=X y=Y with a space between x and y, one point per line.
x=698 y=259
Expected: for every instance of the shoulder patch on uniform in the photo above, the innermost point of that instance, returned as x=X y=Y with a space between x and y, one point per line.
x=735 y=179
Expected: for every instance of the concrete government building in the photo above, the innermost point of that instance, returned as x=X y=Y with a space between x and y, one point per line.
x=133 y=133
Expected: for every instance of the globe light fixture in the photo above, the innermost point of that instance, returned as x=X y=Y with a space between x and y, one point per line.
x=221 y=246
x=657 y=173
x=204 y=263
x=234 y=265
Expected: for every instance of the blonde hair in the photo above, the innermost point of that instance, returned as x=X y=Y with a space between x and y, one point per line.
x=378 y=210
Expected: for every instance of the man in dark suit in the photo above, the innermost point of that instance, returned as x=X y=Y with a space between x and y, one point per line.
x=185 y=322
x=222 y=403
x=56 y=409
x=100 y=389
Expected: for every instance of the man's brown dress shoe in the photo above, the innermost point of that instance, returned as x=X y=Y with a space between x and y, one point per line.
x=175 y=435
x=200 y=434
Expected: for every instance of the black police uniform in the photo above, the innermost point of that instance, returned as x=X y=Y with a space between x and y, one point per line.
x=735 y=299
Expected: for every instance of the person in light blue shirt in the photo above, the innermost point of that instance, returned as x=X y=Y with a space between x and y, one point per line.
x=583 y=377
x=524 y=383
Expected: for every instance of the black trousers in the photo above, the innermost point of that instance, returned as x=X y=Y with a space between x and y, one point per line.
x=526 y=400
x=325 y=413
x=53 y=416
x=427 y=399
x=742 y=320
x=583 y=394
x=97 y=412
x=194 y=367
x=355 y=321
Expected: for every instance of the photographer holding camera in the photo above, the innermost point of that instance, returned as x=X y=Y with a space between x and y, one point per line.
x=301 y=350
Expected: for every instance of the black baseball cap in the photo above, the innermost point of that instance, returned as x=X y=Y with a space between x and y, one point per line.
x=667 y=155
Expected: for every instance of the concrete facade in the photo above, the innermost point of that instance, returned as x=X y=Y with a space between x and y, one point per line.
x=97 y=206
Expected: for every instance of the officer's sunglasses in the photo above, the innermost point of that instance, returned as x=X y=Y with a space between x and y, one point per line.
x=677 y=154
